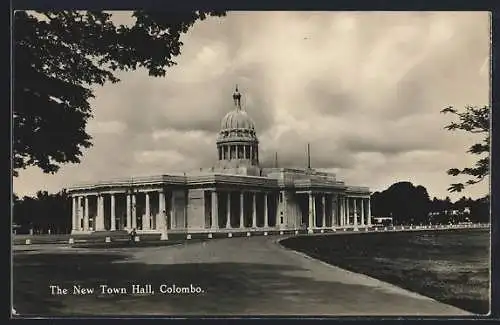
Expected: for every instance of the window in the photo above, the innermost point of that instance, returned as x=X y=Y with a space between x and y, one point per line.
x=281 y=197
x=281 y=219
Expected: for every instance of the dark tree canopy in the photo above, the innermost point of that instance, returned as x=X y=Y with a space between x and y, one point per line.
x=473 y=120
x=410 y=204
x=403 y=201
x=53 y=211
x=59 y=55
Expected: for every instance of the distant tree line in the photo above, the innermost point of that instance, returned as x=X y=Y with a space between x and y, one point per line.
x=42 y=213
x=410 y=204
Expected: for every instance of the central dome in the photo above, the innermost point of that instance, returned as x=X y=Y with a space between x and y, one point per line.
x=237 y=143
x=237 y=119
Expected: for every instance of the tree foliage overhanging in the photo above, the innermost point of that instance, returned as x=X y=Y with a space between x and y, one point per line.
x=474 y=120
x=59 y=55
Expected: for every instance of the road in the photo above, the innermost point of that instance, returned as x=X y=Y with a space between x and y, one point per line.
x=257 y=276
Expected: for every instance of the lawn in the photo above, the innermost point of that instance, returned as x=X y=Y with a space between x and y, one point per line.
x=449 y=266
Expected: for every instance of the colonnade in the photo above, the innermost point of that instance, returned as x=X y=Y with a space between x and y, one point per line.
x=225 y=197
x=238 y=151
x=256 y=210
x=345 y=210
x=81 y=211
x=355 y=211
x=164 y=218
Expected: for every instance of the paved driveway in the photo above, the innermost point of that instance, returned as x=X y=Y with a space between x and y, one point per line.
x=256 y=275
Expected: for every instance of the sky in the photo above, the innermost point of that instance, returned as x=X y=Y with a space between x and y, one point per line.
x=365 y=89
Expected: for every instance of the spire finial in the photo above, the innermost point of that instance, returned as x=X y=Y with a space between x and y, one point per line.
x=237 y=98
x=308 y=156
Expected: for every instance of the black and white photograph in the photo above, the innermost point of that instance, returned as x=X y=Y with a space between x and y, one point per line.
x=250 y=163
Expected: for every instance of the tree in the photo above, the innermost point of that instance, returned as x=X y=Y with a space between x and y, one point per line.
x=480 y=210
x=58 y=56
x=44 y=211
x=406 y=203
x=473 y=120
x=378 y=207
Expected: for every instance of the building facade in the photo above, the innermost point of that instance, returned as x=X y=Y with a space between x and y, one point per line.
x=236 y=194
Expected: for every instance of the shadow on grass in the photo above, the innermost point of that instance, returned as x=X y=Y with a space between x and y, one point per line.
x=451 y=267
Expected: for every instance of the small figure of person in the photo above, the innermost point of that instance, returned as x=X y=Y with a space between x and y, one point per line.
x=133 y=233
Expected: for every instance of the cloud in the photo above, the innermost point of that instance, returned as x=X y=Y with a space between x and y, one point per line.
x=106 y=127
x=363 y=88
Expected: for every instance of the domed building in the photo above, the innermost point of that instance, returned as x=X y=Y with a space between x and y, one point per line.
x=234 y=197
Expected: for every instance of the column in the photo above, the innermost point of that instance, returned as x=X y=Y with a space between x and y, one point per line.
x=242 y=209
x=215 y=211
x=369 y=212
x=266 y=212
x=277 y=206
x=334 y=210
x=162 y=214
x=129 y=212
x=228 y=211
x=340 y=202
x=315 y=213
x=79 y=213
x=100 y=214
x=251 y=153
x=347 y=212
x=311 y=212
x=134 y=212
x=86 y=214
x=254 y=210
x=113 y=214
x=355 y=213
x=147 y=212
x=74 y=213
x=323 y=205
x=172 y=211
x=362 y=211
x=244 y=152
